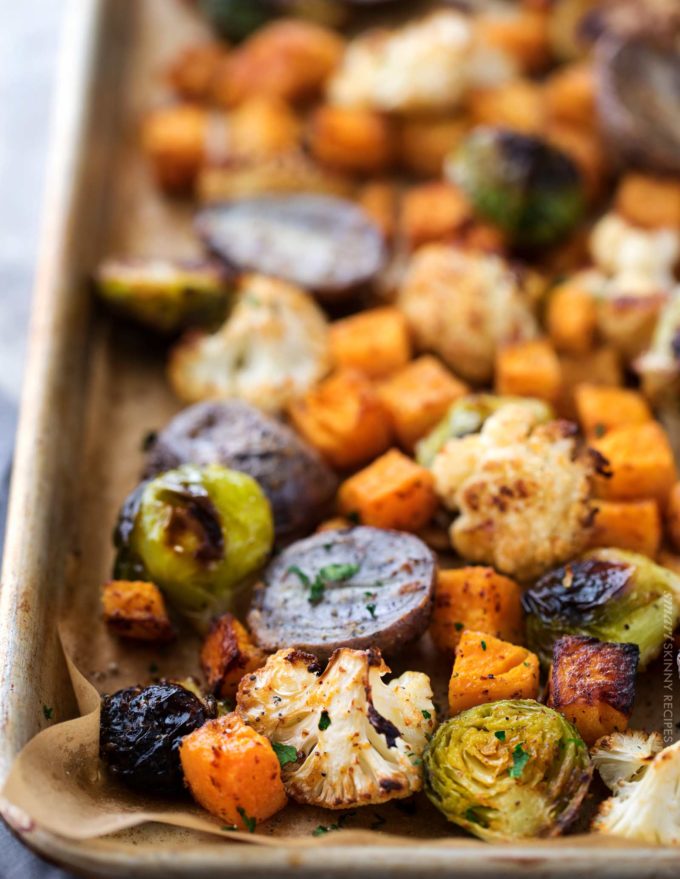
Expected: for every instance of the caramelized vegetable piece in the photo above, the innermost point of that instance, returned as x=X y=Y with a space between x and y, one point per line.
x=592 y=683
x=262 y=128
x=423 y=142
x=392 y=492
x=191 y=73
x=135 y=609
x=354 y=140
x=601 y=366
x=344 y=419
x=379 y=199
x=585 y=148
x=570 y=95
x=475 y=598
x=529 y=369
x=633 y=525
x=517 y=105
x=650 y=202
x=433 y=212
x=227 y=654
x=641 y=463
x=374 y=342
x=571 y=319
x=174 y=139
x=520 y=33
x=601 y=409
x=418 y=396
x=488 y=669
x=673 y=516
x=233 y=772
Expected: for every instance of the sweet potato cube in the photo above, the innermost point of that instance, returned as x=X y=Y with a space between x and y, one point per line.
x=592 y=683
x=433 y=212
x=487 y=669
x=344 y=418
x=570 y=94
x=351 y=139
x=392 y=492
x=602 y=409
x=640 y=460
x=475 y=598
x=650 y=202
x=418 y=396
x=601 y=366
x=522 y=35
x=374 y=342
x=572 y=319
x=227 y=655
x=632 y=525
x=529 y=369
x=673 y=517
x=379 y=199
x=136 y=609
x=174 y=140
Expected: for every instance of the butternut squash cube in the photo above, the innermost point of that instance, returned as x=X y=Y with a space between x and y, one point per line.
x=632 y=525
x=227 y=655
x=572 y=319
x=603 y=409
x=136 y=609
x=673 y=517
x=433 y=212
x=601 y=366
x=379 y=199
x=650 y=202
x=529 y=369
x=374 y=342
x=351 y=139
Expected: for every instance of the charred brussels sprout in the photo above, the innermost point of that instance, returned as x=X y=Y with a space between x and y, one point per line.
x=165 y=295
x=197 y=532
x=237 y=19
x=529 y=189
x=608 y=594
x=141 y=729
x=508 y=770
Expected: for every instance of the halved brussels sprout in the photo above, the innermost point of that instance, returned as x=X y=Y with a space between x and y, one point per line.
x=163 y=294
x=608 y=594
x=198 y=533
x=467 y=415
x=508 y=770
x=531 y=190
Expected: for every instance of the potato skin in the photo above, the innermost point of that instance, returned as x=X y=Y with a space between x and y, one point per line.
x=136 y=610
x=227 y=655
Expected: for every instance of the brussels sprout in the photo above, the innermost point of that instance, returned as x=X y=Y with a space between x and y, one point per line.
x=165 y=295
x=198 y=533
x=467 y=415
x=508 y=770
x=237 y=19
x=140 y=733
x=531 y=190
x=608 y=594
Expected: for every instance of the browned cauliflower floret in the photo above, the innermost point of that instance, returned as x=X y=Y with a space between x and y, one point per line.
x=353 y=739
x=463 y=305
x=523 y=491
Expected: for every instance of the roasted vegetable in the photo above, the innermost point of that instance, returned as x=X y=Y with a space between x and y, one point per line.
x=198 y=532
x=528 y=369
x=659 y=366
x=344 y=419
x=358 y=587
x=165 y=295
x=673 y=516
x=508 y=770
x=136 y=610
x=140 y=732
x=649 y=201
x=531 y=190
x=392 y=492
x=570 y=95
x=298 y=485
x=374 y=342
x=487 y=669
x=434 y=211
x=475 y=598
x=265 y=235
x=608 y=594
x=174 y=139
x=227 y=655
x=423 y=142
x=633 y=525
x=272 y=347
x=357 y=141
x=601 y=366
x=190 y=73
x=519 y=33
x=467 y=416
x=571 y=319
x=236 y=19
x=358 y=741
x=233 y=772
x=592 y=683
x=491 y=305
x=417 y=396
x=602 y=409
x=623 y=757
x=378 y=198
x=518 y=105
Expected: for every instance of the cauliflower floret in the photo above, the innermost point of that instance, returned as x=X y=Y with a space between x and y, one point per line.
x=659 y=366
x=359 y=741
x=272 y=347
x=648 y=809
x=463 y=305
x=523 y=492
x=421 y=66
x=623 y=757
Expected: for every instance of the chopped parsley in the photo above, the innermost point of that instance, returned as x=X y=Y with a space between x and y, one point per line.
x=415 y=759
x=483 y=643
x=371 y=609
x=335 y=573
x=316 y=591
x=285 y=753
x=323 y=828
x=500 y=735
x=47 y=712
x=354 y=517
x=338 y=573
x=520 y=758
x=324 y=721
x=599 y=430
x=473 y=818
x=250 y=823
x=426 y=714
x=459 y=626
x=303 y=578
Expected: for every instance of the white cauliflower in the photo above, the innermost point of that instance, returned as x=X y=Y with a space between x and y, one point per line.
x=272 y=347
x=624 y=756
x=659 y=366
x=464 y=305
x=523 y=491
x=646 y=809
x=358 y=741
x=421 y=66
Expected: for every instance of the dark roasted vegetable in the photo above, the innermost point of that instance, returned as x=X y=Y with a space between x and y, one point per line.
x=141 y=729
x=359 y=587
x=609 y=594
x=299 y=485
x=531 y=190
x=227 y=655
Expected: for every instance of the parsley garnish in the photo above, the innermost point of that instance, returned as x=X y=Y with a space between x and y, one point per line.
x=426 y=714
x=316 y=591
x=371 y=609
x=473 y=818
x=48 y=712
x=599 y=430
x=285 y=753
x=322 y=828
x=338 y=573
x=520 y=758
x=500 y=735
x=324 y=721
x=354 y=517
x=483 y=643
x=250 y=823
x=459 y=627
x=303 y=578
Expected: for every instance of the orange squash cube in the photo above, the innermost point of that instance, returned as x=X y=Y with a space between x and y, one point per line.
x=227 y=655
x=632 y=525
x=650 y=202
x=375 y=342
x=602 y=409
x=601 y=366
x=433 y=212
x=351 y=139
x=379 y=200
x=571 y=319
x=529 y=369
x=673 y=517
x=136 y=609
x=570 y=94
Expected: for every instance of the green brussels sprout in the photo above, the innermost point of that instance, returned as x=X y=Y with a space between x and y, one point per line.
x=237 y=19
x=467 y=415
x=165 y=295
x=607 y=594
x=508 y=770
x=529 y=189
x=198 y=533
